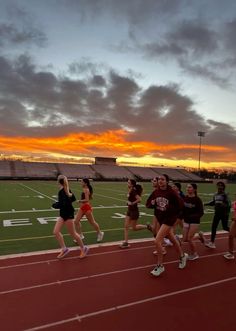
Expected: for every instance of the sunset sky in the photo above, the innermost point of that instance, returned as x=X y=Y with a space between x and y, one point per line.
x=132 y=79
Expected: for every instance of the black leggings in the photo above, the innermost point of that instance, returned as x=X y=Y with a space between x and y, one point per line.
x=216 y=220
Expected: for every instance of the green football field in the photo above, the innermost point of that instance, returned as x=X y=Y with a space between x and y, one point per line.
x=27 y=219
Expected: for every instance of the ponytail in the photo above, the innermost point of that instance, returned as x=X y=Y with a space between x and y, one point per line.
x=87 y=182
x=139 y=189
x=64 y=182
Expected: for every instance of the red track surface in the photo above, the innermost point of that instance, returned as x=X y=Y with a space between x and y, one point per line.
x=113 y=290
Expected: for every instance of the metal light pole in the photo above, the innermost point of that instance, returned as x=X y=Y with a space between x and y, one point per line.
x=200 y=134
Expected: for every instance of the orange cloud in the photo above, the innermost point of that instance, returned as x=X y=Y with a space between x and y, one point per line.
x=88 y=143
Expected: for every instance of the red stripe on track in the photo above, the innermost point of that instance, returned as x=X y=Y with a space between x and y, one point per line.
x=62 y=301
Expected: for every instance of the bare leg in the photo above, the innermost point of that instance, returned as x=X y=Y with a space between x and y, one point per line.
x=126 y=228
x=71 y=229
x=57 y=232
x=92 y=221
x=77 y=222
x=232 y=236
x=161 y=234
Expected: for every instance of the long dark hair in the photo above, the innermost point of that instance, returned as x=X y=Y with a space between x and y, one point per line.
x=137 y=187
x=194 y=186
x=87 y=182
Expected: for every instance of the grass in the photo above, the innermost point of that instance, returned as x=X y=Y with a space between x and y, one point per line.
x=27 y=220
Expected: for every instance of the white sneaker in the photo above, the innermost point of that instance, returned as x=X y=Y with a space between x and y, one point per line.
x=81 y=237
x=100 y=236
x=210 y=245
x=63 y=253
x=229 y=256
x=183 y=261
x=158 y=270
x=167 y=242
x=193 y=257
x=84 y=252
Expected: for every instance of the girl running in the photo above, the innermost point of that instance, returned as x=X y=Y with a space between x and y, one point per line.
x=222 y=206
x=193 y=211
x=153 y=227
x=86 y=210
x=232 y=234
x=167 y=208
x=64 y=204
x=134 y=198
x=177 y=187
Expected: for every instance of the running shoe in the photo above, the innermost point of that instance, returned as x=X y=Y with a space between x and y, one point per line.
x=210 y=245
x=84 y=252
x=183 y=261
x=167 y=242
x=125 y=244
x=159 y=269
x=100 y=236
x=229 y=256
x=63 y=253
x=81 y=237
x=193 y=257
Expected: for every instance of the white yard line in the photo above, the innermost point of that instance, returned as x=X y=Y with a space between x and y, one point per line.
x=29 y=188
x=109 y=197
x=52 y=209
x=52 y=236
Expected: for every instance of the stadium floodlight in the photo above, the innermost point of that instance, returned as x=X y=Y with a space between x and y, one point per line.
x=200 y=134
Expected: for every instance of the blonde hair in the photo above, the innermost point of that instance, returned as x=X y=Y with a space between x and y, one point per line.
x=64 y=182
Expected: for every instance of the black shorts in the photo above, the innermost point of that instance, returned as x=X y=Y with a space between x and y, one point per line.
x=67 y=216
x=133 y=214
x=168 y=221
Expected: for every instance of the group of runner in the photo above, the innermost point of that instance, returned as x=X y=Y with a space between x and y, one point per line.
x=172 y=208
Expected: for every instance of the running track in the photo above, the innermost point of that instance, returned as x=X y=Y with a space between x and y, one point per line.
x=112 y=290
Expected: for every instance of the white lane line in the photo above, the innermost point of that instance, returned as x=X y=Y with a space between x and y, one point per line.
x=107 y=197
x=130 y=304
x=73 y=257
x=29 y=188
x=70 y=280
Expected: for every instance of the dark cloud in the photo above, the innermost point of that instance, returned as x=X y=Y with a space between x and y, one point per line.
x=19 y=28
x=37 y=103
x=205 y=72
x=12 y=35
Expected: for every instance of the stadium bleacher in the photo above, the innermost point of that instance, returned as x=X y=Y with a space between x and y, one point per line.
x=112 y=172
x=142 y=173
x=76 y=170
x=43 y=170
x=5 y=169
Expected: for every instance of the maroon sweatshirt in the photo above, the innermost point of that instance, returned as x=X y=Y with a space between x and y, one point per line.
x=167 y=205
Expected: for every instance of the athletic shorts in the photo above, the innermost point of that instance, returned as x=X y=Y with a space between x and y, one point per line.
x=187 y=224
x=133 y=214
x=67 y=216
x=168 y=221
x=85 y=207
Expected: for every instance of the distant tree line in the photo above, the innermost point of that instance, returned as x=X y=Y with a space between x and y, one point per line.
x=217 y=174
